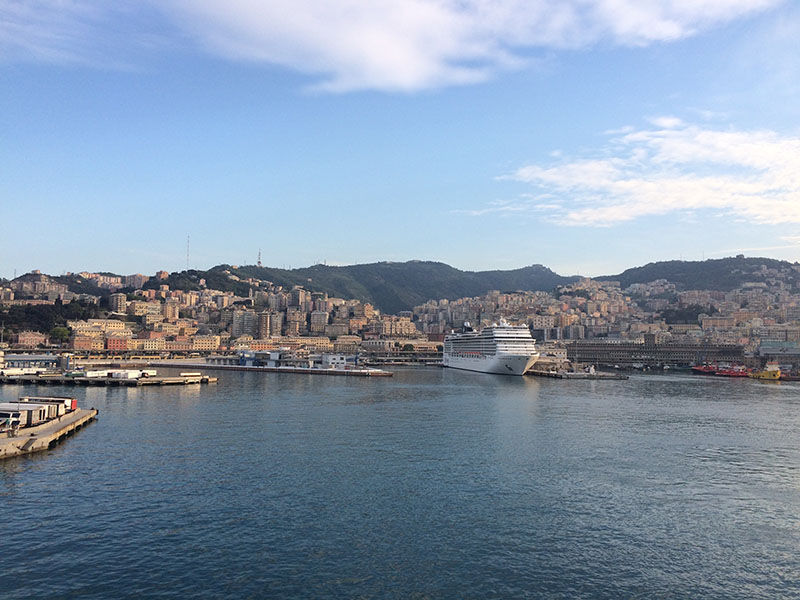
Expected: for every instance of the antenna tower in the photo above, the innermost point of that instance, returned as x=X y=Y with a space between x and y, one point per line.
x=187 y=252
x=259 y=257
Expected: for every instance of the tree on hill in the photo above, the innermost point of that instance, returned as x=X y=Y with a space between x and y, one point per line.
x=44 y=317
x=688 y=315
x=59 y=334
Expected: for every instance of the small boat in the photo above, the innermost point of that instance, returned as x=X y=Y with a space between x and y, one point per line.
x=705 y=369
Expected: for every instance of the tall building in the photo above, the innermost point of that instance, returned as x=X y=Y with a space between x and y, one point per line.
x=244 y=322
x=136 y=281
x=118 y=302
x=292 y=328
x=296 y=322
x=319 y=319
x=299 y=296
x=171 y=310
x=263 y=325
x=275 y=324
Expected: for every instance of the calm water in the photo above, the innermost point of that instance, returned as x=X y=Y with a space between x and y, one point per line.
x=432 y=484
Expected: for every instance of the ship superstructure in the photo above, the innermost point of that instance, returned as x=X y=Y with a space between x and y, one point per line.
x=503 y=349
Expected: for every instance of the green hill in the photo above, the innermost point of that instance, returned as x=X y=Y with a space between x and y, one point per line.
x=396 y=286
x=722 y=274
x=390 y=286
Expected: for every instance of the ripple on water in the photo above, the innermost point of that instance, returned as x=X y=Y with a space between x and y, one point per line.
x=432 y=484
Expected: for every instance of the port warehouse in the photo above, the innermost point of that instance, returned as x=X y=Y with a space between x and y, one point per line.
x=33 y=361
x=627 y=354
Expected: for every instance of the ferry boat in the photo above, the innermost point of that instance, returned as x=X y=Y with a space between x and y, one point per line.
x=501 y=349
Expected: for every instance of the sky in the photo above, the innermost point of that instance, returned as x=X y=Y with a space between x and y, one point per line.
x=589 y=136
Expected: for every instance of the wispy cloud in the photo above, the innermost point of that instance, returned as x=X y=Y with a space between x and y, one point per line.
x=790 y=241
x=674 y=167
x=104 y=34
x=394 y=45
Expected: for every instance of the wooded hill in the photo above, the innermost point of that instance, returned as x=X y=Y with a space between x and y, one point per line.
x=397 y=286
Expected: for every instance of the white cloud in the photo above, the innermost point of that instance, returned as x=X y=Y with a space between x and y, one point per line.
x=373 y=44
x=676 y=168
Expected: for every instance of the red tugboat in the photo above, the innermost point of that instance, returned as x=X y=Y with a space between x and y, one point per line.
x=705 y=369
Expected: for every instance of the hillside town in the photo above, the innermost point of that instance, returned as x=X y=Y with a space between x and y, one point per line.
x=760 y=319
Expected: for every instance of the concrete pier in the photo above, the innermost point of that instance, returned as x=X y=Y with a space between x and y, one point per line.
x=360 y=372
x=47 y=435
x=576 y=375
x=108 y=381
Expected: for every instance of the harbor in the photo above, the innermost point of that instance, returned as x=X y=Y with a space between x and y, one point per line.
x=333 y=464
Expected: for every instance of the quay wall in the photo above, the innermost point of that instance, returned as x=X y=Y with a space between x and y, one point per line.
x=47 y=435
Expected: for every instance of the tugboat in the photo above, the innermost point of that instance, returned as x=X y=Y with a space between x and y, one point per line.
x=771 y=372
x=705 y=369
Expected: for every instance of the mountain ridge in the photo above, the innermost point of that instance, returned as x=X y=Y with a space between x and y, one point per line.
x=398 y=286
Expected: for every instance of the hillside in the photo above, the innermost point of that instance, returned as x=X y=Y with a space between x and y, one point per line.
x=396 y=286
x=722 y=274
x=391 y=286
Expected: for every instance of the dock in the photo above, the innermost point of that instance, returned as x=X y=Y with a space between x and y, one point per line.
x=358 y=372
x=47 y=435
x=107 y=381
x=577 y=375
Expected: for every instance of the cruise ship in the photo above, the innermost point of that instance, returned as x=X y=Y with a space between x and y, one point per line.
x=503 y=349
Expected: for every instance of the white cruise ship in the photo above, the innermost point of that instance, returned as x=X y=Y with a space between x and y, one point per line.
x=502 y=349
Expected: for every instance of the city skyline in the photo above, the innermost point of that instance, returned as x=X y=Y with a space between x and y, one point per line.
x=484 y=137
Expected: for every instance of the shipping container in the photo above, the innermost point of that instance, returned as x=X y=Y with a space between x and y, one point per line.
x=126 y=374
x=12 y=371
x=64 y=403
x=94 y=374
x=29 y=414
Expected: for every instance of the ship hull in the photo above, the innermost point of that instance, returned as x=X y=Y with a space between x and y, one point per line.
x=499 y=364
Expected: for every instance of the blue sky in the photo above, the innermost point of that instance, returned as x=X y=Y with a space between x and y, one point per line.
x=586 y=136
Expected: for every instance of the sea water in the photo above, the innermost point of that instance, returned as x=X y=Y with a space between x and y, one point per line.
x=434 y=483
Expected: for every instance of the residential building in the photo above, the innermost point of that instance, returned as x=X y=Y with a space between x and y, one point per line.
x=118 y=303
